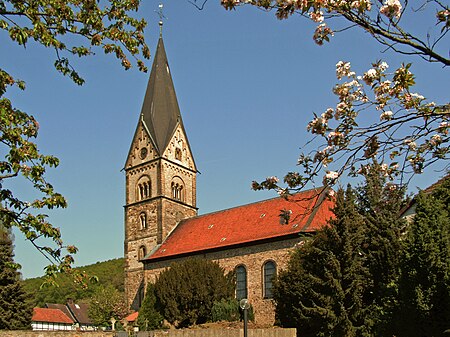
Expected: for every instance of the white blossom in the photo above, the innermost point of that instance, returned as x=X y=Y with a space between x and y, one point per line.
x=272 y=180
x=418 y=96
x=386 y=115
x=391 y=8
x=383 y=66
x=411 y=144
x=342 y=69
x=316 y=16
x=332 y=175
x=436 y=140
x=370 y=76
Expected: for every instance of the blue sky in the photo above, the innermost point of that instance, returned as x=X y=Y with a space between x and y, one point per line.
x=247 y=84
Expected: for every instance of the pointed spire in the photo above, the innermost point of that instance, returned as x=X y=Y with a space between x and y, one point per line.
x=160 y=112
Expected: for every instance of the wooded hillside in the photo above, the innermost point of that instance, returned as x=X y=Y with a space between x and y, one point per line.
x=108 y=273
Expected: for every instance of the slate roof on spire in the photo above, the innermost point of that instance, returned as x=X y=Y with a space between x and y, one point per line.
x=160 y=112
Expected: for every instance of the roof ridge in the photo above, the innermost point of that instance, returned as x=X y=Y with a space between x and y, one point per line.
x=254 y=203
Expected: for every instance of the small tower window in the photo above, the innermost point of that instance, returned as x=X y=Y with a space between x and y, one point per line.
x=178 y=153
x=142 y=252
x=143 y=220
x=177 y=187
x=144 y=188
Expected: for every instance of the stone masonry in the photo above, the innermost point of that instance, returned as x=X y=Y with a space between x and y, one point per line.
x=252 y=257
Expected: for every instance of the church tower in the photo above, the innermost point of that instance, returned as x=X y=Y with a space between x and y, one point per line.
x=160 y=176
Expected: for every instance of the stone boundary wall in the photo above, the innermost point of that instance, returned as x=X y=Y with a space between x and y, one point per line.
x=31 y=333
x=167 y=333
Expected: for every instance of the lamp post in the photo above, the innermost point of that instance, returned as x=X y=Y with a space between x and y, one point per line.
x=245 y=305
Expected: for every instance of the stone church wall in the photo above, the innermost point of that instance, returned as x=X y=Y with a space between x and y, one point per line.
x=253 y=258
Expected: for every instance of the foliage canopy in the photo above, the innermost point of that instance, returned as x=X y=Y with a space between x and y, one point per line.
x=424 y=285
x=72 y=28
x=107 y=273
x=107 y=303
x=339 y=283
x=386 y=21
x=378 y=118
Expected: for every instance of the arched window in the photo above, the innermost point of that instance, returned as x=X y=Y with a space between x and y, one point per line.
x=178 y=153
x=144 y=188
x=241 y=282
x=177 y=187
x=269 y=273
x=142 y=252
x=143 y=220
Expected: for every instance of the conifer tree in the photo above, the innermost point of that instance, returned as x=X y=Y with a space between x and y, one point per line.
x=379 y=202
x=424 y=287
x=149 y=318
x=344 y=281
x=15 y=309
x=321 y=293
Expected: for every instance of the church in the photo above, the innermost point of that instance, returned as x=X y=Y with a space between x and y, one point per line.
x=161 y=221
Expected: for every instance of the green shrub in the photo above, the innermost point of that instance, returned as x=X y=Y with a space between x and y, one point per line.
x=186 y=292
x=225 y=310
x=229 y=310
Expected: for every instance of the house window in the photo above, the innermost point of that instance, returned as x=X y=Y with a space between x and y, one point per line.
x=144 y=188
x=143 y=220
x=241 y=282
x=178 y=153
x=142 y=252
x=269 y=272
x=177 y=187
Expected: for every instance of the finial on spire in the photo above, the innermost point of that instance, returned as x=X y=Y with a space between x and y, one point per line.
x=161 y=16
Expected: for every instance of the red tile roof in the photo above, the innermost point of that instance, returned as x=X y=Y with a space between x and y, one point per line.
x=246 y=224
x=132 y=317
x=50 y=316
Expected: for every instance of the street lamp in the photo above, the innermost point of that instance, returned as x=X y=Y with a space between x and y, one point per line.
x=245 y=305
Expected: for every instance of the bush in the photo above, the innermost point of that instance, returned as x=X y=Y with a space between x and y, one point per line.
x=229 y=310
x=186 y=292
x=225 y=310
x=106 y=303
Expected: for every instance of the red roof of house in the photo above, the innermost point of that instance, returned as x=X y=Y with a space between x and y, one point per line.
x=132 y=317
x=50 y=316
x=246 y=224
